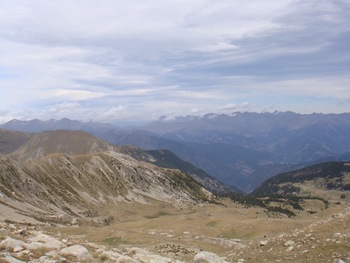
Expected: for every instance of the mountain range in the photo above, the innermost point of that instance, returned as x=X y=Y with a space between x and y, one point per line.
x=68 y=188
x=238 y=149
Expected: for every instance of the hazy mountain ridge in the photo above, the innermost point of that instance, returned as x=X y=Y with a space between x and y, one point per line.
x=52 y=125
x=241 y=149
x=279 y=142
x=263 y=131
x=167 y=159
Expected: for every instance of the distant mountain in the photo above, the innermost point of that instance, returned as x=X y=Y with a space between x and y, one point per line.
x=52 y=125
x=293 y=137
x=285 y=140
x=241 y=149
x=309 y=181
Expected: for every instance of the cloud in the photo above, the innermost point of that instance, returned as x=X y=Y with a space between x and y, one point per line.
x=77 y=94
x=64 y=107
x=229 y=107
x=6 y=116
x=155 y=57
x=112 y=113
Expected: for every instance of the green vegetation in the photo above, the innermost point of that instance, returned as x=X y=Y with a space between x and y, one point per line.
x=266 y=202
x=246 y=200
x=211 y=224
x=113 y=241
x=331 y=173
x=229 y=234
x=156 y=215
x=281 y=210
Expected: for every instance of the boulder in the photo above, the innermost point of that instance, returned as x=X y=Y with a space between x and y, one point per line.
x=264 y=242
x=126 y=259
x=10 y=259
x=45 y=242
x=290 y=248
x=289 y=243
x=207 y=257
x=337 y=235
x=11 y=243
x=77 y=251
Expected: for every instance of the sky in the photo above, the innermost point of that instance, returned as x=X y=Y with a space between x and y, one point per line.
x=133 y=61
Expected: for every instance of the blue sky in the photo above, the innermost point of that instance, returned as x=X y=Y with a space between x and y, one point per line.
x=112 y=60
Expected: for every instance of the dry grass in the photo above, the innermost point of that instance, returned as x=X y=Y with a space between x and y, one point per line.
x=181 y=232
x=159 y=224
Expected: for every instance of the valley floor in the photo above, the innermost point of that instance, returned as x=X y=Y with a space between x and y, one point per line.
x=160 y=232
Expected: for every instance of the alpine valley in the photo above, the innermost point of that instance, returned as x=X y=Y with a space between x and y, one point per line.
x=244 y=187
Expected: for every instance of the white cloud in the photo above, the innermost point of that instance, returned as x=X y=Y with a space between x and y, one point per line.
x=244 y=106
x=229 y=107
x=70 y=94
x=65 y=107
x=6 y=116
x=170 y=56
x=114 y=113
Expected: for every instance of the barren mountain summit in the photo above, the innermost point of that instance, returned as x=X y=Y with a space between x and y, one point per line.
x=62 y=141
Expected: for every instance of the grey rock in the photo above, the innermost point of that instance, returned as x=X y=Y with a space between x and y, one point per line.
x=289 y=243
x=12 y=243
x=207 y=257
x=77 y=251
x=11 y=259
x=264 y=242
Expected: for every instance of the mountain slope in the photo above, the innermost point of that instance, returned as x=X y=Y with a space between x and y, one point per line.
x=167 y=159
x=332 y=176
x=11 y=140
x=71 y=174
x=79 y=185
